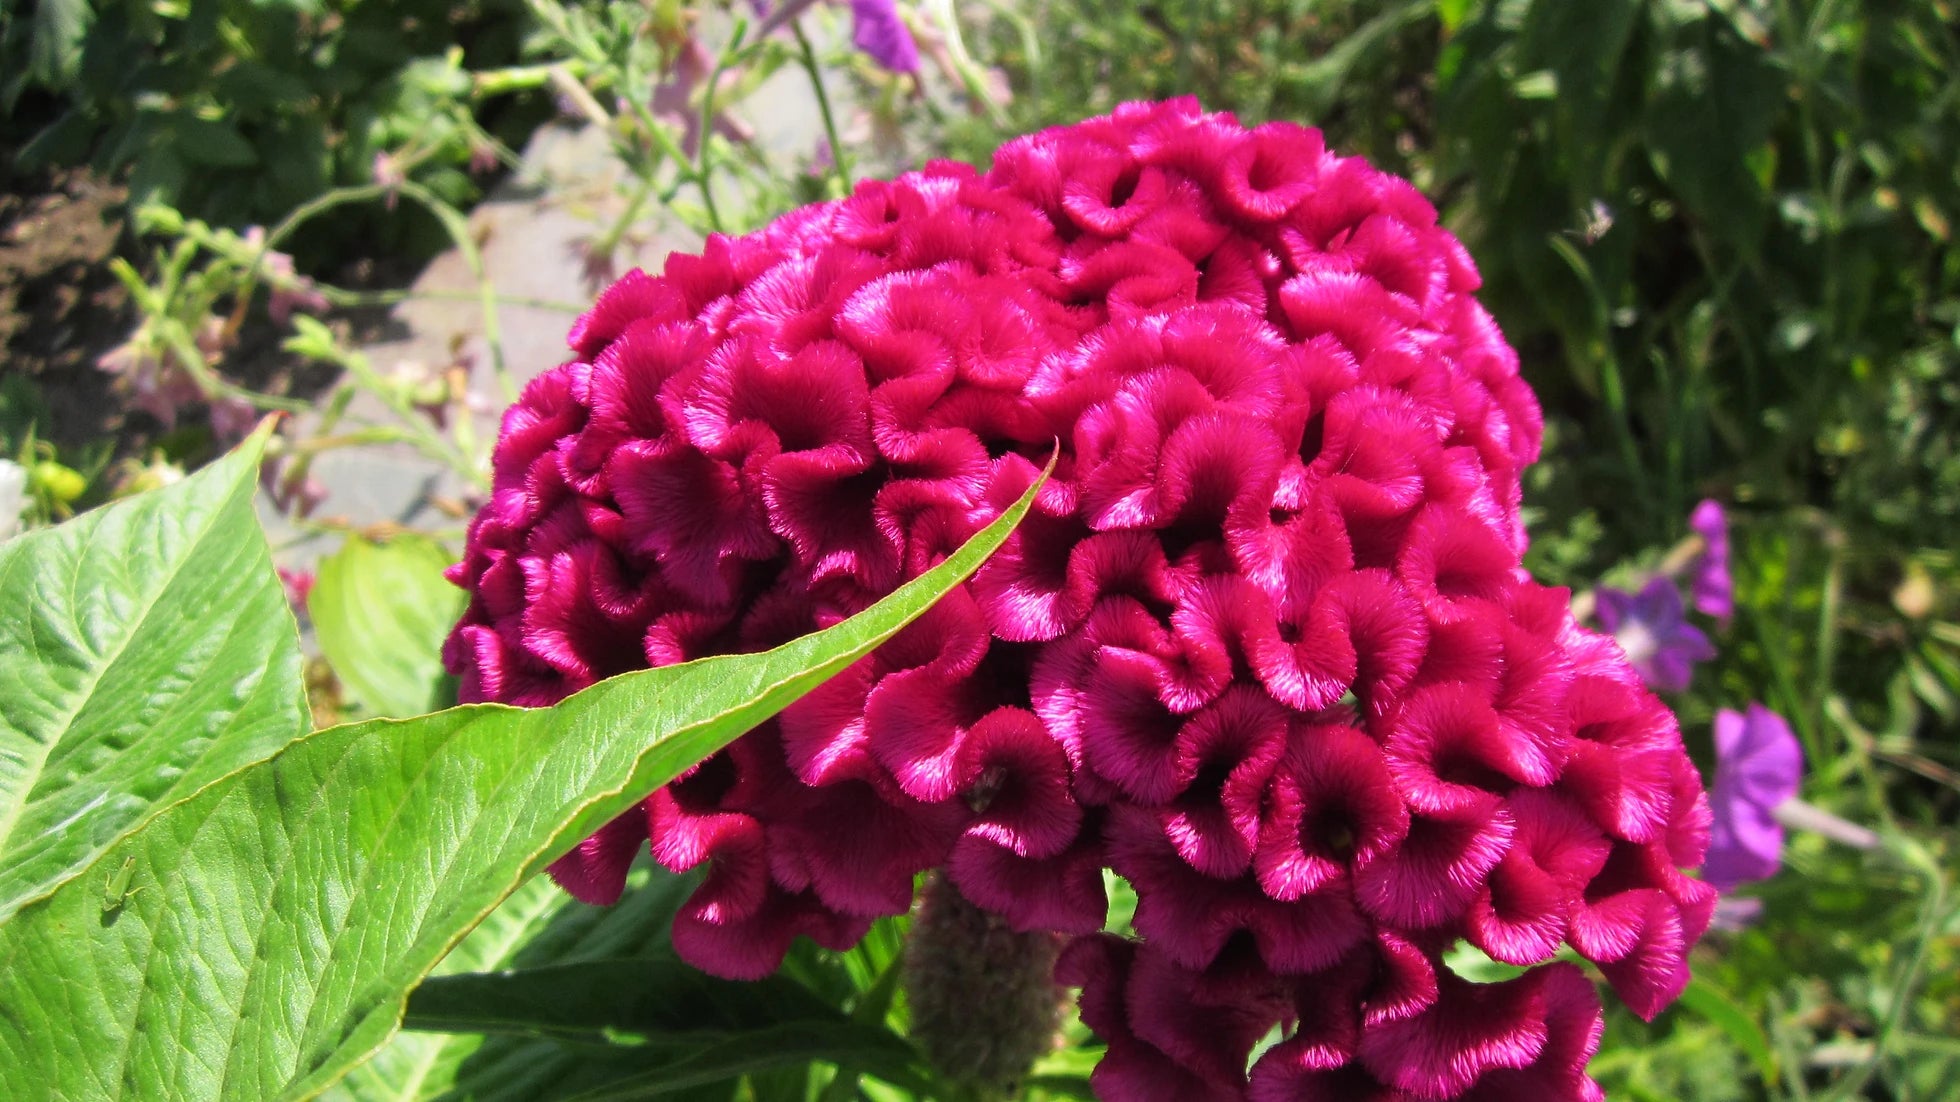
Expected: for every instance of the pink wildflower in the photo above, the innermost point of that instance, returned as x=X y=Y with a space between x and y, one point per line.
x=389 y=174
x=1264 y=647
x=290 y=291
x=298 y=585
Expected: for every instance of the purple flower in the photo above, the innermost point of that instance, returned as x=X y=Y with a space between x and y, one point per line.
x=1714 y=590
x=877 y=30
x=1652 y=628
x=1757 y=767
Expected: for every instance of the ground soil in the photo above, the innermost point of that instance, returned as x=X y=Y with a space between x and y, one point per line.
x=60 y=306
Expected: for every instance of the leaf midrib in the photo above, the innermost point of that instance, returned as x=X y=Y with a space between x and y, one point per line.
x=425 y=1062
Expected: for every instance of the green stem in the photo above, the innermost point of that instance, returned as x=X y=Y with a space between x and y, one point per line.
x=341 y=296
x=610 y=239
x=1931 y=917
x=702 y=165
x=216 y=386
x=808 y=56
x=459 y=233
x=415 y=428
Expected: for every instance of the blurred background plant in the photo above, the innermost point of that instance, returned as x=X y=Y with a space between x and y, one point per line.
x=1718 y=231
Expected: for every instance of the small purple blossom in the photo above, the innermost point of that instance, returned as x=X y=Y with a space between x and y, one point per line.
x=1653 y=629
x=1714 y=590
x=877 y=30
x=1758 y=765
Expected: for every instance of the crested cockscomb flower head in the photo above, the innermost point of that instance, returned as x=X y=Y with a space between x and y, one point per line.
x=1264 y=647
x=1652 y=627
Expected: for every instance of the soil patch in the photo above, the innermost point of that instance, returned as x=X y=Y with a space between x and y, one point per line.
x=60 y=306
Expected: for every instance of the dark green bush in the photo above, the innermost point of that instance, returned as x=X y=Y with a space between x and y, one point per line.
x=237 y=111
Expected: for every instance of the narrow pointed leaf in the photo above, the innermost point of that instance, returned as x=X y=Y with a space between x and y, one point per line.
x=539 y=926
x=1714 y=1004
x=586 y=1000
x=145 y=651
x=275 y=921
x=749 y=1052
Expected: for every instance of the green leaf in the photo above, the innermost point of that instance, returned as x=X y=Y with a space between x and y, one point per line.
x=1318 y=83
x=60 y=28
x=159 y=174
x=146 y=650
x=538 y=926
x=212 y=143
x=1718 y=97
x=588 y=1000
x=278 y=918
x=698 y=1069
x=747 y=1052
x=1584 y=46
x=380 y=612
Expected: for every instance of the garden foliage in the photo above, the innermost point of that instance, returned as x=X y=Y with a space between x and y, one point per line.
x=1718 y=233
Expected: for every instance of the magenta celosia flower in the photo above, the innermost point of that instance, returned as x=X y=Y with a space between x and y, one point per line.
x=1758 y=766
x=1264 y=646
x=1653 y=628
x=1714 y=589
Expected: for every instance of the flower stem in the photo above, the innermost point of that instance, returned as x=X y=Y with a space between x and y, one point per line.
x=808 y=56
x=984 y=1000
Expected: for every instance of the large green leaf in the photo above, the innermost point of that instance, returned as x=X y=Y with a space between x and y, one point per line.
x=590 y=999
x=543 y=971
x=1716 y=101
x=55 y=52
x=145 y=651
x=380 y=612
x=1585 y=47
x=617 y=1076
x=653 y=1025
x=515 y=1069
x=276 y=920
